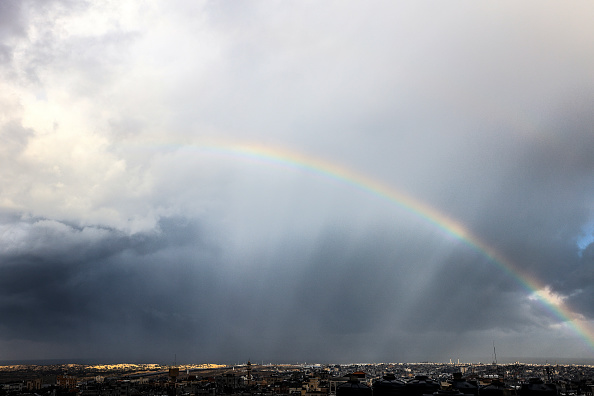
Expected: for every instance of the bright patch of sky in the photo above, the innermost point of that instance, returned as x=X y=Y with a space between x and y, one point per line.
x=587 y=237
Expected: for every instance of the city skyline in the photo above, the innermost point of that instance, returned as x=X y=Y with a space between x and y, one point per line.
x=296 y=181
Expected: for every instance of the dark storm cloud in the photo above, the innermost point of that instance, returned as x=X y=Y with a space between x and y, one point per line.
x=111 y=287
x=466 y=294
x=578 y=283
x=173 y=291
x=536 y=212
x=150 y=295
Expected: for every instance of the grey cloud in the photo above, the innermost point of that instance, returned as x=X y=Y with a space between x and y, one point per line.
x=577 y=284
x=339 y=299
x=87 y=290
x=12 y=19
x=14 y=137
x=539 y=209
x=5 y=53
x=481 y=115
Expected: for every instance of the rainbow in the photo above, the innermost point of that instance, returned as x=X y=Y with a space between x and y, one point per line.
x=341 y=174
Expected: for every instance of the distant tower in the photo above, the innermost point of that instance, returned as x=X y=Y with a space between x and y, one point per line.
x=249 y=372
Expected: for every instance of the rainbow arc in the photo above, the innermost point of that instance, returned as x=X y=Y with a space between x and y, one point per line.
x=341 y=174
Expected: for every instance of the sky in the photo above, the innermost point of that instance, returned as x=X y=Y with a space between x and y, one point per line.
x=293 y=181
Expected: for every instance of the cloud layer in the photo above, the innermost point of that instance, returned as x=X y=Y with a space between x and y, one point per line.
x=131 y=231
